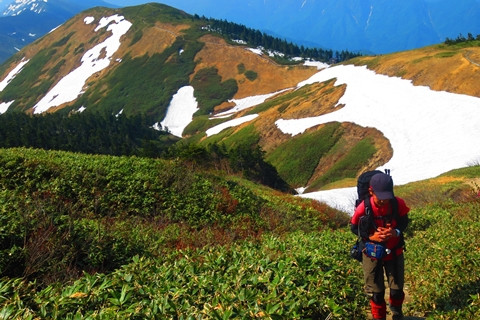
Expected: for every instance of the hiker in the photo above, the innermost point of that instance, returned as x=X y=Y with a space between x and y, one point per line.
x=381 y=219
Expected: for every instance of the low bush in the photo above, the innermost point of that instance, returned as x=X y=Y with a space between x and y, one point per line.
x=273 y=278
x=443 y=261
x=86 y=237
x=63 y=213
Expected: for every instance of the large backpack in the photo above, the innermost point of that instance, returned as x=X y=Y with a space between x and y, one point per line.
x=363 y=183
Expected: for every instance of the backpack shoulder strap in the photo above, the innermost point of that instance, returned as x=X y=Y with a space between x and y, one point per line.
x=394 y=204
x=367 y=221
x=368 y=210
x=368 y=205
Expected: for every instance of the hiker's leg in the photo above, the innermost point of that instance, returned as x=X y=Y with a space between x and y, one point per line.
x=378 y=306
x=374 y=285
x=395 y=277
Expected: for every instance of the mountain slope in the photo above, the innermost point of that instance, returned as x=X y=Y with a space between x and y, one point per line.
x=159 y=61
x=179 y=51
x=452 y=68
x=25 y=21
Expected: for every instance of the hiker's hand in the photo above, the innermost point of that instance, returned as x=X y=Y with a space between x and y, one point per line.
x=382 y=234
x=387 y=232
x=378 y=236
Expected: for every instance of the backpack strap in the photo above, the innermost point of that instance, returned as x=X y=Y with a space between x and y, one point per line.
x=394 y=206
x=370 y=221
x=366 y=222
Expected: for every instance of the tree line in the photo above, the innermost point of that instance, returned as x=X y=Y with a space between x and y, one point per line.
x=461 y=39
x=88 y=132
x=256 y=38
x=121 y=135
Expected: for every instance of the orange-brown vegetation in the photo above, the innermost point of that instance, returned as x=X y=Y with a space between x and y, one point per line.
x=272 y=77
x=154 y=40
x=439 y=67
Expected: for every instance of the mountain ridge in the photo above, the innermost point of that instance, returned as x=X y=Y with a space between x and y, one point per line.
x=143 y=75
x=24 y=21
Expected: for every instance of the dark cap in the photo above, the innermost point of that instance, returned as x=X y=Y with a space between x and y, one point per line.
x=382 y=186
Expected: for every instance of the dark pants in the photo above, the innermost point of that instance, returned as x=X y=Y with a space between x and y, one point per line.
x=374 y=272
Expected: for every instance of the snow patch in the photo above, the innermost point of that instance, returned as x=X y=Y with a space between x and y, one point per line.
x=231 y=123
x=88 y=20
x=12 y=74
x=318 y=64
x=245 y=103
x=431 y=132
x=180 y=111
x=4 y=106
x=70 y=86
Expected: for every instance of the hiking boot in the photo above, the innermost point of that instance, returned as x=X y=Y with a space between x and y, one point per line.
x=397 y=313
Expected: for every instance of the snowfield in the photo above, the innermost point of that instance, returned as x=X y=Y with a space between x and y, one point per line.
x=71 y=86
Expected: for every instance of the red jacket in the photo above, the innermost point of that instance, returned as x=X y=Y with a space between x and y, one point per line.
x=379 y=215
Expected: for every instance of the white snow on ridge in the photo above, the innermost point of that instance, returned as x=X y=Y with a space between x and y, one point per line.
x=4 y=106
x=70 y=86
x=232 y=123
x=180 y=111
x=88 y=20
x=12 y=74
x=105 y=21
x=430 y=132
x=319 y=65
x=55 y=29
x=245 y=103
x=256 y=51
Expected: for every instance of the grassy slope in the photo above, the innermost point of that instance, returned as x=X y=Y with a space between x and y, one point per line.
x=451 y=68
x=290 y=273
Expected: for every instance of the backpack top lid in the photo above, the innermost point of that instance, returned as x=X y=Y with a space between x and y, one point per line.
x=363 y=183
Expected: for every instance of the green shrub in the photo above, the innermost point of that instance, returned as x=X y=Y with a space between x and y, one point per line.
x=241 y=68
x=443 y=261
x=248 y=135
x=349 y=165
x=64 y=40
x=279 y=278
x=251 y=75
x=79 y=49
x=297 y=159
x=446 y=54
x=63 y=212
x=210 y=90
x=137 y=36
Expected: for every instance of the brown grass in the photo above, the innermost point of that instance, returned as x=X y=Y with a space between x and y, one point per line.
x=439 y=67
x=271 y=76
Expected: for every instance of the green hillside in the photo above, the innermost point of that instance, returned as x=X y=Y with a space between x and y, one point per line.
x=164 y=50
x=102 y=237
